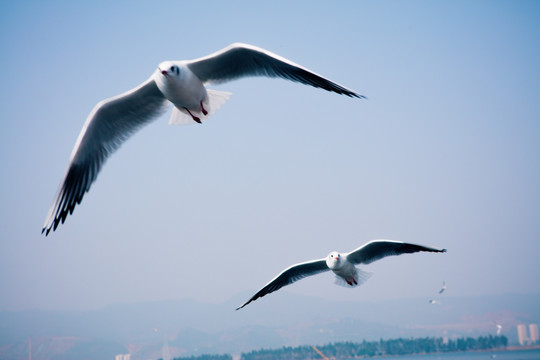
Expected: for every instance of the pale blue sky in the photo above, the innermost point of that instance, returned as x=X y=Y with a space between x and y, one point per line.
x=444 y=152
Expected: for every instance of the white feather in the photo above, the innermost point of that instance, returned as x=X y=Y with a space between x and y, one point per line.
x=211 y=104
x=361 y=277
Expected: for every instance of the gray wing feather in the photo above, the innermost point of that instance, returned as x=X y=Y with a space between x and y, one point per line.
x=378 y=249
x=290 y=275
x=240 y=60
x=109 y=124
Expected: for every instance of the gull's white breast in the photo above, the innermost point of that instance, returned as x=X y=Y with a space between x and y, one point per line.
x=183 y=90
x=346 y=270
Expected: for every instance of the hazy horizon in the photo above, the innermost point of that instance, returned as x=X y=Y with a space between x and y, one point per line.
x=193 y=327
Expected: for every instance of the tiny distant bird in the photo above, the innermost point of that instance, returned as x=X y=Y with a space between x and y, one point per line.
x=499 y=329
x=180 y=83
x=443 y=288
x=343 y=265
x=432 y=301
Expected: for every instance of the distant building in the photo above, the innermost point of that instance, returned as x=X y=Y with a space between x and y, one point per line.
x=522 y=334
x=533 y=332
x=123 y=357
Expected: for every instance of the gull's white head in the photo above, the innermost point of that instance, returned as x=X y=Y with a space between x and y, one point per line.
x=168 y=69
x=334 y=260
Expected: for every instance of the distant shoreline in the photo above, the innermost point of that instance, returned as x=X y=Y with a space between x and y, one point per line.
x=525 y=347
x=502 y=349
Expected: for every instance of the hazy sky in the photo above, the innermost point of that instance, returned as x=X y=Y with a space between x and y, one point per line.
x=444 y=152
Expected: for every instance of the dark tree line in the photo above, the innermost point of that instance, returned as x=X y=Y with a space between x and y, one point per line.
x=350 y=350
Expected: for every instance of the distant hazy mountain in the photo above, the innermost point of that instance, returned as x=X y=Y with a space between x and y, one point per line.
x=287 y=320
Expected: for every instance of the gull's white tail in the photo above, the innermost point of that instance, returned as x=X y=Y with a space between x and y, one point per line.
x=212 y=104
x=361 y=277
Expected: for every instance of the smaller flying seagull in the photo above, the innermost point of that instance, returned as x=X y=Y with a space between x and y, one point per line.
x=343 y=265
x=432 y=301
x=443 y=287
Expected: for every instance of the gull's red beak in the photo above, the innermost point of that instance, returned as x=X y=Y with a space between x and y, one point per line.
x=164 y=72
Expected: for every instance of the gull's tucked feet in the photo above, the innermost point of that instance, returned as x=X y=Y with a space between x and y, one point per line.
x=203 y=109
x=195 y=118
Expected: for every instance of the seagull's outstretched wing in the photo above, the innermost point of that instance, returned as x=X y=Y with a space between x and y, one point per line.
x=290 y=275
x=109 y=124
x=443 y=287
x=240 y=60
x=377 y=249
